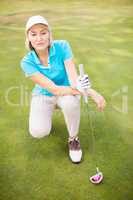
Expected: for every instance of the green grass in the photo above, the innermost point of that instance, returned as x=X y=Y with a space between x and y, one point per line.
x=101 y=36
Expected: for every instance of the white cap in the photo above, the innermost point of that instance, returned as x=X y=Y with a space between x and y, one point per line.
x=37 y=19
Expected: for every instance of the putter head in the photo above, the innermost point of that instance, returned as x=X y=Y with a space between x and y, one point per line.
x=97 y=178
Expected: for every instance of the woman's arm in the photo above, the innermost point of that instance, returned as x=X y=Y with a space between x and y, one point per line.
x=71 y=72
x=97 y=98
x=72 y=75
x=46 y=83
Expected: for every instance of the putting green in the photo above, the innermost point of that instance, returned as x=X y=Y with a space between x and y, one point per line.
x=101 y=36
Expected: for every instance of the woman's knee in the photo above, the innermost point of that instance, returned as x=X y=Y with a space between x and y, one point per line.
x=71 y=103
x=39 y=133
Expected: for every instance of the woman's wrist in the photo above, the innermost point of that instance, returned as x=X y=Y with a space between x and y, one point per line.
x=91 y=92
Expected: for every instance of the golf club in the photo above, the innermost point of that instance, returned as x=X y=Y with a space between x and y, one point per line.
x=98 y=177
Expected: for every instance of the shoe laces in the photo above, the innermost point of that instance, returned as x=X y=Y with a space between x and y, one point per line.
x=74 y=144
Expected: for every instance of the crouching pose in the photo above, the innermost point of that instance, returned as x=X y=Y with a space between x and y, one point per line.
x=49 y=64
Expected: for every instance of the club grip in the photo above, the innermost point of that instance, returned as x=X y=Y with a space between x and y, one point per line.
x=81 y=71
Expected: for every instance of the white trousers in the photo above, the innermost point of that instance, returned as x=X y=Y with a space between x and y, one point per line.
x=41 y=110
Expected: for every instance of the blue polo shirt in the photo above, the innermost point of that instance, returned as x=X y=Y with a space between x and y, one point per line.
x=59 y=51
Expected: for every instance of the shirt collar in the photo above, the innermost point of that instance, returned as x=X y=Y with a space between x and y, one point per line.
x=51 y=53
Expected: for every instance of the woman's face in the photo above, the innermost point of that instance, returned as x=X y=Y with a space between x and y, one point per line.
x=39 y=37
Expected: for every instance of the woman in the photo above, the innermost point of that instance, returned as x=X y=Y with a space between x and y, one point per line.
x=50 y=66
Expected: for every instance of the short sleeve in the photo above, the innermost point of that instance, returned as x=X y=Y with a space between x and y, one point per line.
x=67 y=51
x=28 y=67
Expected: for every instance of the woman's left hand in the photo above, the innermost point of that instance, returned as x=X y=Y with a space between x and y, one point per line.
x=99 y=100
